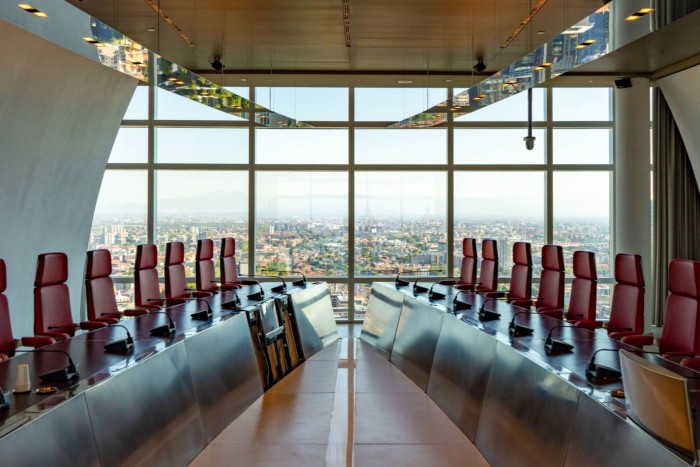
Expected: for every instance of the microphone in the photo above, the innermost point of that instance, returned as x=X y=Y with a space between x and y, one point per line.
x=435 y=295
x=418 y=288
x=62 y=375
x=457 y=305
x=486 y=315
x=277 y=288
x=556 y=345
x=301 y=282
x=204 y=315
x=233 y=304
x=518 y=330
x=257 y=295
x=71 y=326
x=121 y=345
x=400 y=282
x=601 y=372
x=166 y=330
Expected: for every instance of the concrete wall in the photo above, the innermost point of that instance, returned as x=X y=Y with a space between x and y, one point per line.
x=59 y=116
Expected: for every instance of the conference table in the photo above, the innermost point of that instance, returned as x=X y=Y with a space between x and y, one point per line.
x=518 y=402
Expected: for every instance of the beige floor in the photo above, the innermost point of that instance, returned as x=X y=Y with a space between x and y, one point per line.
x=345 y=406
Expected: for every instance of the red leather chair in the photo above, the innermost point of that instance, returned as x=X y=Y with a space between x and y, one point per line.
x=99 y=289
x=627 y=307
x=488 y=274
x=467 y=274
x=584 y=288
x=147 y=293
x=205 y=273
x=52 y=311
x=175 y=277
x=520 y=289
x=7 y=341
x=550 y=299
x=680 y=336
x=229 y=269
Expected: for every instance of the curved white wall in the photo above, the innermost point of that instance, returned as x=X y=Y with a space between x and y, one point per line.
x=59 y=116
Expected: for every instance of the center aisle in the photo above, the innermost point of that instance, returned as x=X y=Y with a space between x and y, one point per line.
x=345 y=406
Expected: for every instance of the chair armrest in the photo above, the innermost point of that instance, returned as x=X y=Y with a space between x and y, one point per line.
x=136 y=312
x=675 y=355
x=447 y=282
x=92 y=325
x=497 y=295
x=617 y=335
x=174 y=301
x=471 y=287
x=37 y=341
x=692 y=363
x=547 y=310
x=638 y=340
x=573 y=317
x=3 y=357
x=202 y=294
x=249 y=282
x=521 y=303
x=584 y=323
x=108 y=320
x=58 y=336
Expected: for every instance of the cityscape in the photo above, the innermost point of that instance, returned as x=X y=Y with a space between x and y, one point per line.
x=318 y=248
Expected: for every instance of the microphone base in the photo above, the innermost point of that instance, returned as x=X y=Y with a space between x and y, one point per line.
x=299 y=283
x=486 y=315
x=518 y=330
x=459 y=306
x=602 y=373
x=419 y=289
x=163 y=331
x=436 y=296
x=61 y=376
x=401 y=283
x=4 y=401
x=557 y=346
x=255 y=296
x=120 y=346
x=233 y=306
x=203 y=315
x=279 y=288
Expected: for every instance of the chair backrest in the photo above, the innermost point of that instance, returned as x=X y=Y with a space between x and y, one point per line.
x=551 y=293
x=584 y=288
x=175 y=278
x=204 y=266
x=627 y=306
x=51 y=296
x=146 y=276
x=521 y=275
x=99 y=287
x=488 y=274
x=467 y=273
x=681 y=321
x=227 y=262
x=7 y=341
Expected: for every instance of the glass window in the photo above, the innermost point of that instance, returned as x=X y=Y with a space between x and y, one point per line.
x=202 y=145
x=301 y=222
x=394 y=104
x=170 y=106
x=305 y=104
x=497 y=146
x=400 y=223
x=505 y=206
x=512 y=109
x=582 y=146
x=131 y=145
x=582 y=104
x=301 y=146
x=400 y=146
x=138 y=107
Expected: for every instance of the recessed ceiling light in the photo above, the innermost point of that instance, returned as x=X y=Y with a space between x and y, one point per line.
x=540 y=32
x=642 y=12
x=244 y=79
x=151 y=29
x=91 y=40
x=30 y=9
x=448 y=80
x=585 y=43
x=405 y=81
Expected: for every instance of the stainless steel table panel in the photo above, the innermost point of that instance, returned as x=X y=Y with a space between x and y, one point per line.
x=314 y=314
x=416 y=339
x=602 y=438
x=460 y=372
x=528 y=413
x=225 y=372
x=382 y=317
x=148 y=415
x=62 y=436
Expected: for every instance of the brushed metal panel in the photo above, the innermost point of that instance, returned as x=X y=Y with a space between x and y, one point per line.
x=382 y=318
x=62 y=436
x=416 y=339
x=620 y=442
x=148 y=415
x=460 y=372
x=528 y=413
x=225 y=372
x=314 y=314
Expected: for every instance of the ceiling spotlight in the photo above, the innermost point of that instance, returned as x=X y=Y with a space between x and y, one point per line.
x=216 y=64
x=480 y=65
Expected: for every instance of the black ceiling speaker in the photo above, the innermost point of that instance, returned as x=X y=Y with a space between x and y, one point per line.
x=480 y=65
x=623 y=83
x=216 y=64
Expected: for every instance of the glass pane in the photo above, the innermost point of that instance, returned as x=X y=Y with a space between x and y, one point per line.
x=213 y=205
x=582 y=146
x=302 y=222
x=119 y=223
x=400 y=146
x=400 y=223
x=305 y=104
x=131 y=145
x=583 y=222
x=138 y=107
x=583 y=104
x=394 y=104
x=505 y=206
x=296 y=146
x=339 y=300
x=243 y=91
x=512 y=109
x=497 y=146
x=202 y=145
x=170 y=106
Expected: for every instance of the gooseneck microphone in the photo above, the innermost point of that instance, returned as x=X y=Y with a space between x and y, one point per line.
x=257 y=295
x=122 y=345
x=203 y=315
x=457 y=305
x=418 y=288
x=300 y=282
x=518 y=330
x=556 y=345
x=58 y=376
x=277 y=288
x=166 y=330
x=600 y=372
x=435 y=295
x=488 y=315
x=400 y=282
